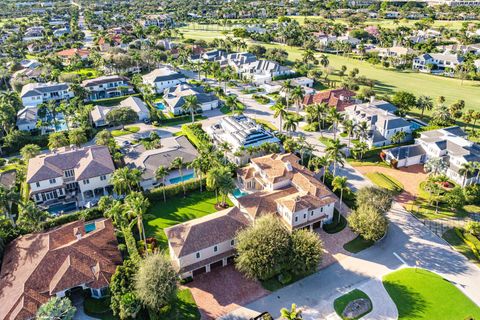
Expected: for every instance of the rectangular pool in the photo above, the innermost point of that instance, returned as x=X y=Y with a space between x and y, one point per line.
x=237 y=193
x=160 y=106
x=90 y=227
x=179 y=179
x=60 y=208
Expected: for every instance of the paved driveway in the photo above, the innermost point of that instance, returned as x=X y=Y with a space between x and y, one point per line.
x=222 y=291
x=408 y=241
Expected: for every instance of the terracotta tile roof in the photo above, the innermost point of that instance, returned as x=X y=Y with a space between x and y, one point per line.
x=36 y=266
x=277 y=167
x=68 y=53
x=338 y=98
x=205 y=232
x=264 y=202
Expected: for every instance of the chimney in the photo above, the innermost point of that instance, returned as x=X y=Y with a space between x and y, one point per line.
x=77 y=233
x=342 y=97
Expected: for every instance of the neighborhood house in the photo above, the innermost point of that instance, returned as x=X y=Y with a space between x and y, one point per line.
x=107 y=87
x=34 y=94
x=175 y=98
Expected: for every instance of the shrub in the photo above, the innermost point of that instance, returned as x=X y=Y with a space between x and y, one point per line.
x=173 y=190
x=455 y=198
x=306 y=252
x=472 y=193
x=368 y=222
x=196 y=135
x=87 y=214
x=375 y=197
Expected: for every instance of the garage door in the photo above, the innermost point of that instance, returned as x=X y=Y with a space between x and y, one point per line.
x=316 y=225
x=230 y=260
x=199 y=271
x=217 y=264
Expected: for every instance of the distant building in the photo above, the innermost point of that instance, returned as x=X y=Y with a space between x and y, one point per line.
x=261 y=71
x=71 y=258
x=241 y=133
x=158 y=20
x=276 y=86
x=107 y=87
x=148 y=161
x=337 y=98
x=98 y=115
x=383 y=124
x=70 y=176
x=163 y=78
x=174 y=98
x=33 y=94
x=450 y=144
x=437 y=62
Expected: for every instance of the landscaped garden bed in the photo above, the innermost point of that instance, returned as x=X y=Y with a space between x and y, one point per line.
x=336 y=225
x=261 y=99
x=385 y=181
x=357 y=297
x=465 y=243
x=125 y=131
x=421 y=294
x=358 y=244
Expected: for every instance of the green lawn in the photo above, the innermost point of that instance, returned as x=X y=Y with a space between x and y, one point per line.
x=336 y=225
x=358 y=244
x=385 y=181
x=388 y=80
x=341 y=302
x=183 y=308
x=177 y=210
x=421 y=294
x=455 y=241
x=126 y=130
x=84 y=73
x=267 y=124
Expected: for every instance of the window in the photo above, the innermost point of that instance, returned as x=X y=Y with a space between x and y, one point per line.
x=232 y=242
x=311 y=213
x=304 y=216
x=215 y=249
x=103 y=178
x=37 y=196
x=60 y=192
x=321 y=209
x=69 y=173
x=197 y=255
x=37 y=184
x=296 y=219
x=52 y=181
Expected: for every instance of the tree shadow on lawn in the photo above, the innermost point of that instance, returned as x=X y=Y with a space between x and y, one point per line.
x=410 y=304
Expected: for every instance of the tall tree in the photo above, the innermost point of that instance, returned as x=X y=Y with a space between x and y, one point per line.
x=136 y=207
x=178 y=163
x=191 y=105
x=57 y=140
x=160 y=174
x=77 y=136
x=57 y=309
x=334 y=152
x=29 y=151
x=340 y=184
x=424 y=103
x=280 y=112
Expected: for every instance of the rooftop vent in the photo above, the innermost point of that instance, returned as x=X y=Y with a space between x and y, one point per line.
x=288 y=166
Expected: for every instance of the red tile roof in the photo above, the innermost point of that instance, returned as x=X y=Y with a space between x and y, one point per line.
x=68 y=53
x=338 y=98
x=36 y=266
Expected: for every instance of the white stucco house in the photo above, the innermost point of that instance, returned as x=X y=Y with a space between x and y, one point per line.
x=163 y=78
x=33 y=94
x=174 y=98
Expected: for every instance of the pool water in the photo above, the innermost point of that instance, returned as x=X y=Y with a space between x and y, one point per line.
x=237 y=193
x=160 y=106
x=62 y=207
x=415 y=124
x=90 y=227
x=185 y=178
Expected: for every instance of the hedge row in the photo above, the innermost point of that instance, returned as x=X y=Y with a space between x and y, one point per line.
x=196 y=135
x=469 y=242
x=179 y=119
x=173 y=190
x=87 y=214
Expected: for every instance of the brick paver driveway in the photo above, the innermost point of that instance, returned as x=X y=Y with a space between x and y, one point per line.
x=410 y=177
x=333 y=246
x=222 y=291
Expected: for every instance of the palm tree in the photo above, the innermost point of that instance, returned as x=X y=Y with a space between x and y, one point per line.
x=29 y=151
x=424 y=103
x=292 y=314
x=136 y=207
x=226 y=184
x=397 y=138
x=340 y=184
x=320 y=162
x=31 y=216
x=290 y=124
x=297 y=97
x=335 y=117
x=125 y=180
x=160 y=174
x=324 y=61
x=213 y=180
x=361 y=130
x=435 y=166
x=178 y=163
x=225 y=147
x=197 y=165
x=191 y=105
x=348 y=126
x=335 y=153
x=8 y=197
x=231 y=102
x=359 y=148
x=286 y=88
x=466 y=169
x=279 y=112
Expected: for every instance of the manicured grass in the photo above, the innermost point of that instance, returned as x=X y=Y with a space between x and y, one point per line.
x=421 y=294
x=388 y=81
x=261 y=99
x=385 y=181
x=179 y=121
x=358 y=244
x=341 y=302
x=325 y=141
x=177 y=210
x=335 y=226
x=84 y=73
x=457 y=242
x=183 y=308
x=126 y=130
x=274 y=284
x=267 y=124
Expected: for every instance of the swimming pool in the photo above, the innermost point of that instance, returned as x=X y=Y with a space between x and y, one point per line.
x=415 y=124
x=62 y=208
x=237 y=193
x=179 y=179
x=90 y=227
x=160 y=106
